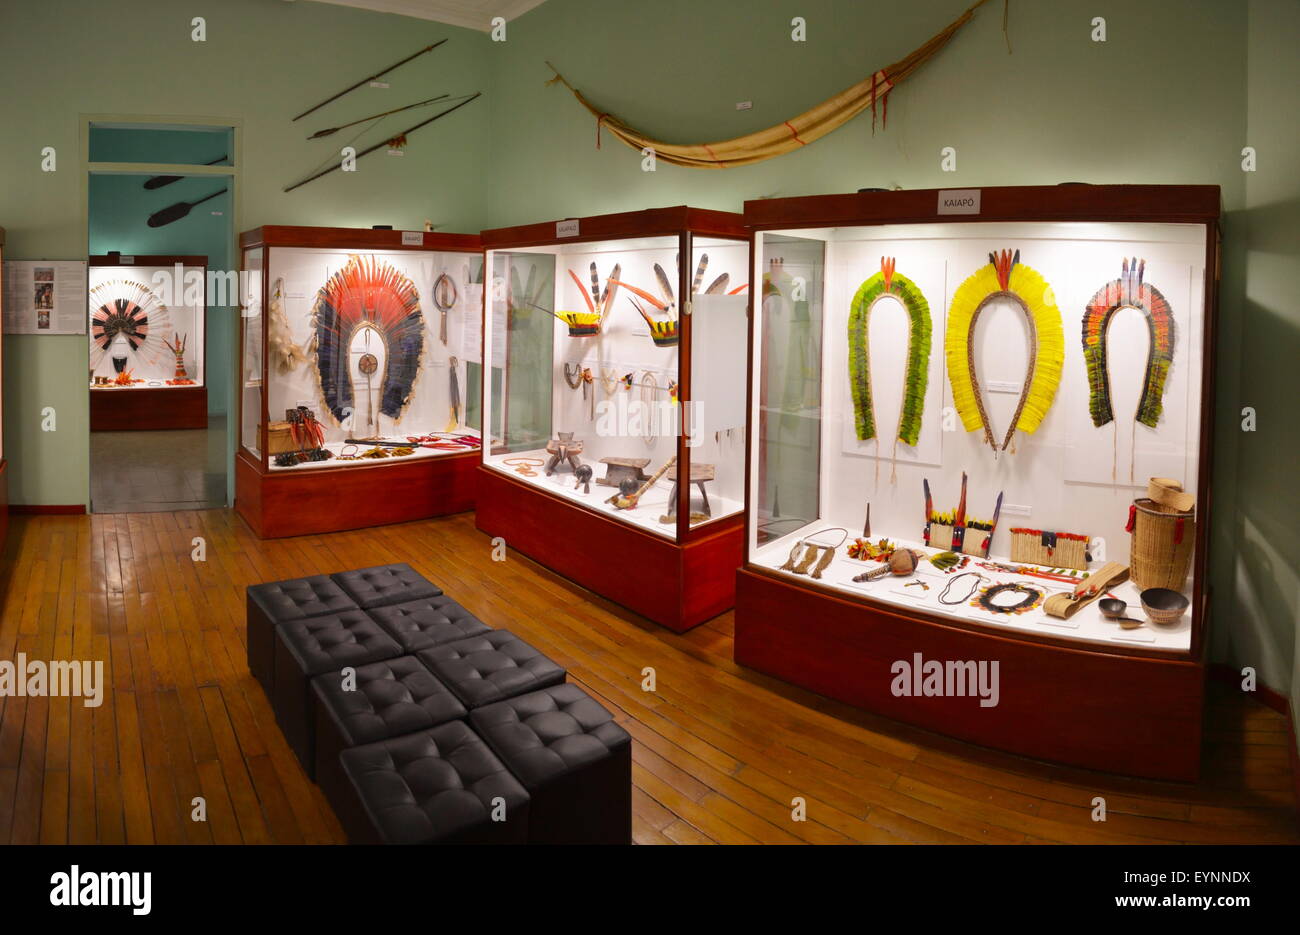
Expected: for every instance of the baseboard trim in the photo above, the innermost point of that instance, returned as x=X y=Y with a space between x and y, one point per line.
x=49 y=509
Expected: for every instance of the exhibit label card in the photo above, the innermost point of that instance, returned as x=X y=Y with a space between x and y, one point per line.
x=959 y=201
x=45 y=297
x=567 y=228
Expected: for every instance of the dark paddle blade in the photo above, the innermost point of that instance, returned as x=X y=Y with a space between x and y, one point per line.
x=174 y=213
x=158 y=181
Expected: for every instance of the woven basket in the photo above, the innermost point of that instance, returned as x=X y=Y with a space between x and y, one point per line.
x=279 y=439
x=1162 y=544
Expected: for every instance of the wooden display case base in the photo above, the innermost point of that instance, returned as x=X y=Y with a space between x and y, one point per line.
x=305 y=502
x=1134 y=715
x=677 y=585
x=150 y=408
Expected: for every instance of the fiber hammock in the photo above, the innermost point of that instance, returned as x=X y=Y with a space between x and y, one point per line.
x=794 y=133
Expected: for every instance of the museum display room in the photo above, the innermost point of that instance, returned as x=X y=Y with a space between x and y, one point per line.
x=588 y=422
x=617 y=404
x=359 y=377
x=146 y=348
x=979 y=433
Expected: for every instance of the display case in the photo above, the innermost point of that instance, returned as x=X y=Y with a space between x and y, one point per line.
x=617 y=404
x=147 y=334
x=980 y=426
x=359 y=377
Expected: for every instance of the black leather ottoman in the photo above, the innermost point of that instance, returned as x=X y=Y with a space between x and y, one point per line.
x=270 y=605
x=385 y=584
x=491 y=667
x=307 y=648
x=387 y=699
x=428 y=622
x=575 y=762
x=437 y=786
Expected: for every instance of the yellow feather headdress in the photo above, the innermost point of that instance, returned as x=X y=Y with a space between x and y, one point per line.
x=1005 y=278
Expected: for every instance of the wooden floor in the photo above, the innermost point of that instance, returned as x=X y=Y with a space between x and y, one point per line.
x=719 y=752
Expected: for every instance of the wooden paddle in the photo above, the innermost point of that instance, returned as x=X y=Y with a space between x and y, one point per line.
x=179 y=210
x=158 y=181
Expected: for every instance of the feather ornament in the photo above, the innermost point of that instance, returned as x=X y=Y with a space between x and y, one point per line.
x=1005 y=277
x=916 y=376
x=1128 y=291
x=285 y=352
x=367 y=293
x=131 y=310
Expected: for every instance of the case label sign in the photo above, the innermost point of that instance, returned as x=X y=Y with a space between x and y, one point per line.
x=959 y=201
x=412 y=239
x=567 y=228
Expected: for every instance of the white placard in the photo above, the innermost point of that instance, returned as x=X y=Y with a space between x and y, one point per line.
x=959 y=201
x=412 y=239
x=45 y=297
x=471 y=329
x=567 y=228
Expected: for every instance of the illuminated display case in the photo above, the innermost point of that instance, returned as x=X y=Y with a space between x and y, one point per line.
x=980 y=427
x=359 y=377
x=617 y=404
x=147 y=335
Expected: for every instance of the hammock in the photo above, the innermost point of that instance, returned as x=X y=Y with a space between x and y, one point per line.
x=797 y=132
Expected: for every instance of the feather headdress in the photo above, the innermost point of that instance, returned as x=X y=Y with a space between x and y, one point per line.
x=888 y=283
x=1129 y=291
x=663 y=331
x=130 y=309
x=1004 y=277
x=367 y=293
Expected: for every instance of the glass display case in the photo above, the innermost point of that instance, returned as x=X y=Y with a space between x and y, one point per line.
x=617 y=404
x=360 y=371
x=147 y=334
x=980 y=425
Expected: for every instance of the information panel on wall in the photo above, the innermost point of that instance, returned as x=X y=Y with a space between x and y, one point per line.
x=45 y=297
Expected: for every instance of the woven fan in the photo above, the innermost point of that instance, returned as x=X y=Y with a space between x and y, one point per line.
x=367 y=293
x=129 y=309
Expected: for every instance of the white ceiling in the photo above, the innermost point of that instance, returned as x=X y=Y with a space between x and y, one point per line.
x=472 y=14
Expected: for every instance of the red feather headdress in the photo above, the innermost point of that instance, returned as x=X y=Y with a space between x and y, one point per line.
x=367 y=293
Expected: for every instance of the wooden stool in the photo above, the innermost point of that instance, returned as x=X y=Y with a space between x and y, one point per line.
x=700 y=474
x=618 y=470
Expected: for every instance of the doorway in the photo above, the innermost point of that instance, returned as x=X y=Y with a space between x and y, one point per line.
x=160 y=335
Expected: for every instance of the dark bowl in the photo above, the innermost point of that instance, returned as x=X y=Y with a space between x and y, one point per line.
x=1163 y=605
x=1112 y=607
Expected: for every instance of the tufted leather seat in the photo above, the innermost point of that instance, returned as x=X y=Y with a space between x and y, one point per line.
x=436 y=786
x=271 y=604
x=575 y=762
x=385 y=584
x=490 y=667
x=428 y=622
x=306 y=648
x=382 y=700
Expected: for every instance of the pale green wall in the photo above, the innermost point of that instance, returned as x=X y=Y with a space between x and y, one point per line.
x=263 y=62
x=1267 y=563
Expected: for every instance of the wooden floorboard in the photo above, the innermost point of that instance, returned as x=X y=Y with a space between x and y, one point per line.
x=721 y=754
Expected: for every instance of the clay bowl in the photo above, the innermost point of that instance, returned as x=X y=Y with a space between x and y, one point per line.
x=1163 y=605
x=1112 y=607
